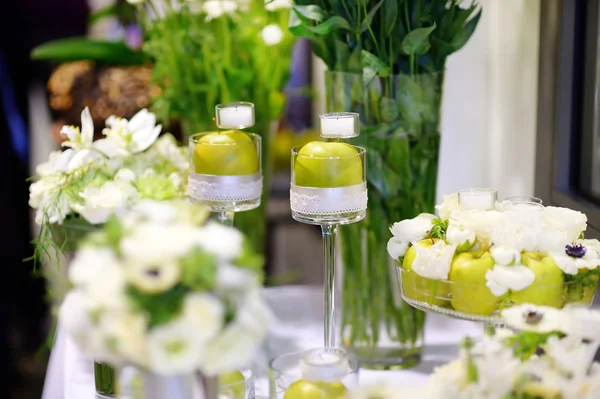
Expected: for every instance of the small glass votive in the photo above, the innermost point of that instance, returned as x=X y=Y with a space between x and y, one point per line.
x=236 y=115
x=225 y=170
x=339 y=125
x=322 y=373
x=329 y=189
x=237 y=385
x=534 y=200
x=477 y=198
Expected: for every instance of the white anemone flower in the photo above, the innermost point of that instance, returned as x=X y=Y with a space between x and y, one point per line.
x=449 y=205
x=503 y=278
x=434 y=261
x=411 y=230
x=274 y=5
x=133 y=136
x=271 y=34
x=78 y=139
x=540 y=319
x=576 y=256
x=152 y=277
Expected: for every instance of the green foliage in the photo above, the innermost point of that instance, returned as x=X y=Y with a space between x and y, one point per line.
x=83 y=48
x=198 y=270
x=250 y=259
x=525 y=344
x=439 y=229
x=408 y=36
x=160 y=308
x=586 y=277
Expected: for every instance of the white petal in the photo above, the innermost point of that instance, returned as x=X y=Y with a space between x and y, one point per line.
x=142 y=120
x=62 y=163
x=87 y=128
x=142 y=139
x=565 y=263
x=107 y=147
x=396 y=248
x=82 y=157
x=73 y=135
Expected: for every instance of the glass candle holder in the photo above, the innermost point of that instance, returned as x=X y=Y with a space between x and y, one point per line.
x=329 y=188
x=478 y=198
x=535 y=200
x=321 y=373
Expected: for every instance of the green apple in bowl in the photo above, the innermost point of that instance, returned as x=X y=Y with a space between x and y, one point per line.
x=327 y=165
x=469 y=292
x=227 y=153
x=421 y=288
x=547 y=288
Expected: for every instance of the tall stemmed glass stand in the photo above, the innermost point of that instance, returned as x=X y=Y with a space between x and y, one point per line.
x=329 y=189
x=225 y=166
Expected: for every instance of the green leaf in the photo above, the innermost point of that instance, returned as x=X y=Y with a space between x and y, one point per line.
x=311 y=12
x=464 y=36
x=199 y=270
x=371 y=66
x=160 y=308
x=369 y=18
x=390 y=16
x=417 y=41
x=331 y=25
x=381 y=175
x=82 y=48
x=342 y=55
x=388 y=109
x=299 y=28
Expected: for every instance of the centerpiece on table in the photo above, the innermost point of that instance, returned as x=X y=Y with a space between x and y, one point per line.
x=78 y=189
x=480 y=256
x=385 y=60
x=212 y=52
x=162 y=289
x=545 y=353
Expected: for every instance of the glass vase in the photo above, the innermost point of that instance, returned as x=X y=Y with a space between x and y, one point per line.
x=400 y=130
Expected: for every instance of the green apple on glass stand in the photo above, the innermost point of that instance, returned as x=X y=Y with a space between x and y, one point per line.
x=421 y=288
x=469 y=291
x=547 y=288
x=328 y=188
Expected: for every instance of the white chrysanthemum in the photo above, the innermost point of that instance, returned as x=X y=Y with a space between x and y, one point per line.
x=152 y=276
x=273 y=5
x=434 y=261
x=503 y=278
x=464 y=238
x=411 y=230
x=98 y=273
x=99 y=203
x=449 y=205
x=222 y=241
x=217 y=8
x=397 y=248
x=541 y=319
x=271 y=34
x=133 y=136
x=77 y=139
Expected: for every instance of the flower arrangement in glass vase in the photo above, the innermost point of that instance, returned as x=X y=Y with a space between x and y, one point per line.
x=160 y=288
x=81 y=187
x=474 y=261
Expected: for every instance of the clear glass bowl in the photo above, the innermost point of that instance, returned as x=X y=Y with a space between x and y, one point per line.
x=321 y=373
x=475 y=302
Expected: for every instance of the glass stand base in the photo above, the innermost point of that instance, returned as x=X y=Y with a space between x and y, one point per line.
x=386 y=358
x=104 y=377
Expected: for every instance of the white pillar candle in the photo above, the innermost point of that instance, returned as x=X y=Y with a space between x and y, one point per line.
x=484 y=199
x=339 y=125
x=324 y=365
x=235 y=115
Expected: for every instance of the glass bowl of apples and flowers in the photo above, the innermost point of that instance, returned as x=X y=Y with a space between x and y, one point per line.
x=471 y=264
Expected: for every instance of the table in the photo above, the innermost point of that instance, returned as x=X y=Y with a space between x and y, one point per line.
x=298 y=310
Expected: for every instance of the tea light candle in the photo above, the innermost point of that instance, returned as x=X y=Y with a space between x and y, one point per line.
x=522 y=206
x=323 y=365
x=339 y=125
x=484 y=199
x=235 y=115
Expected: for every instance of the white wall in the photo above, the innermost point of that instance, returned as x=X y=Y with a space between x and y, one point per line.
x=490 y=103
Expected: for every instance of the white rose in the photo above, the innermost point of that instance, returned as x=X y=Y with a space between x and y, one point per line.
x=100 y=203
x=435 y=261
x=505 y=255
x=449 y=205
x=411 y=230
x=205 y=312
x=464 y=238
x=503 y=278
x=573 y=223
x=396 y=248
x=480 y=221
x=271 y=34
x=124 y=335
x=152 y=276
x=222 y=241
x=98 y=273
x=273 y=5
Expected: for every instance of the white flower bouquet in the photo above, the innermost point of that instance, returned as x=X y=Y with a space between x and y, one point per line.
x=92 y=180
x=551 y=356
x=164 y=290
x=473 y=263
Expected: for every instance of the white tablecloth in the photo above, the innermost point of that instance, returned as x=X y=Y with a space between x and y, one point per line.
x=299 y=326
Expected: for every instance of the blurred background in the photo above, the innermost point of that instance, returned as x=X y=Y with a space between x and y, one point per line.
x=520 y=114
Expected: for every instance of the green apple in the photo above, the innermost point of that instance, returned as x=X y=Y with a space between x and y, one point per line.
x=547 y=288
x=421 y=288
x=232 y=382
x=303 y=389
x=228 y=153
x=470 y=294
x=327 y=165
